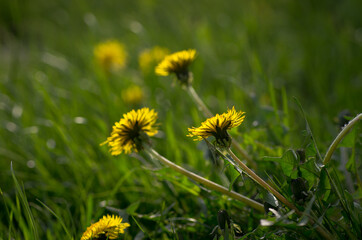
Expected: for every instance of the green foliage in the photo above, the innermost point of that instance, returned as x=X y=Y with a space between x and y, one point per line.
x=29 y=215
x=57 y=106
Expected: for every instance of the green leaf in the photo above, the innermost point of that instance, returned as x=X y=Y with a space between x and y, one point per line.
x=269 y=198
x=305 y=217
x=213 y=150
x=309 y=172
x=349 y=140
x=324 y=186
x=288 y=162
x=132 y=208
x=234 y=175
x=351 y=164
x=310 y=150
x=231 y=171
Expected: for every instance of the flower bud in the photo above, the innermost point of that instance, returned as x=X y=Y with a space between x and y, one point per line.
x=223 y=219
x=301 y=155
x=343 y=117
x=299 y=189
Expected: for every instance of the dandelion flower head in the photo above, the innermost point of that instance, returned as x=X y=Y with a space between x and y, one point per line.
x=108 y=227
x=132 y=95
x=110 y=55
x=177 y=63
x=132 y=130
x=149 y=58
x=217 y=126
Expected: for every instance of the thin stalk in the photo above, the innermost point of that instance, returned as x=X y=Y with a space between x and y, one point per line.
x=200 y=104
x=207 y=183
x=339 y=138
x=261 y=182
x=243 y=153
x=207 y=113
x=269 y=188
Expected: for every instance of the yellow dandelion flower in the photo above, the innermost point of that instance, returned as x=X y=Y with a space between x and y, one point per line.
x=108 y=227
x=150 y=57
x=132 y=131
x=132 y=95
x=110 y=55
x=217 y=126
x=177 y=63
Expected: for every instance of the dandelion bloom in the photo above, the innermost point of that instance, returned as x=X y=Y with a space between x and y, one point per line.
x=132 y=95
x=132 y=130
x=108 y=227
x=150 y=57
x=110 y=55
x=177 y=63
x=217 y=126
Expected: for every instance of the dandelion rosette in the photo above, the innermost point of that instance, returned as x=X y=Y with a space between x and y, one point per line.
x=110 y=55
x=217 y=126
x=177 y=63
x=108 y=227
x=132 y=131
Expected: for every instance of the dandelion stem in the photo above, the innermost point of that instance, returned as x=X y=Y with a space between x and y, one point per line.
x=209 y=184
x=269 y=188
x=236 y=145
x=207 y=113
x=261 y=182
x=339 y=138
x=200 y=104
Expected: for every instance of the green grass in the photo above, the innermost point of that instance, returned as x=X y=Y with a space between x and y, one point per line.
x=258 y=56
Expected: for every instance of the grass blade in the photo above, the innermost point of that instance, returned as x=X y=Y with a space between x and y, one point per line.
x=309 y=131
x=57 y=217
x=29 y=214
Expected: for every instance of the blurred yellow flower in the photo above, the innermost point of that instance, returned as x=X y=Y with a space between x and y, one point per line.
x=177 y=63
x=132 y=95
x=108 y=227
x=150 y=57
x=110 y=55
x=217 y=126
x=132 y=131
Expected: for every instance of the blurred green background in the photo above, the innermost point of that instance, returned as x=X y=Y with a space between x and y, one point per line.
x=56 y=106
